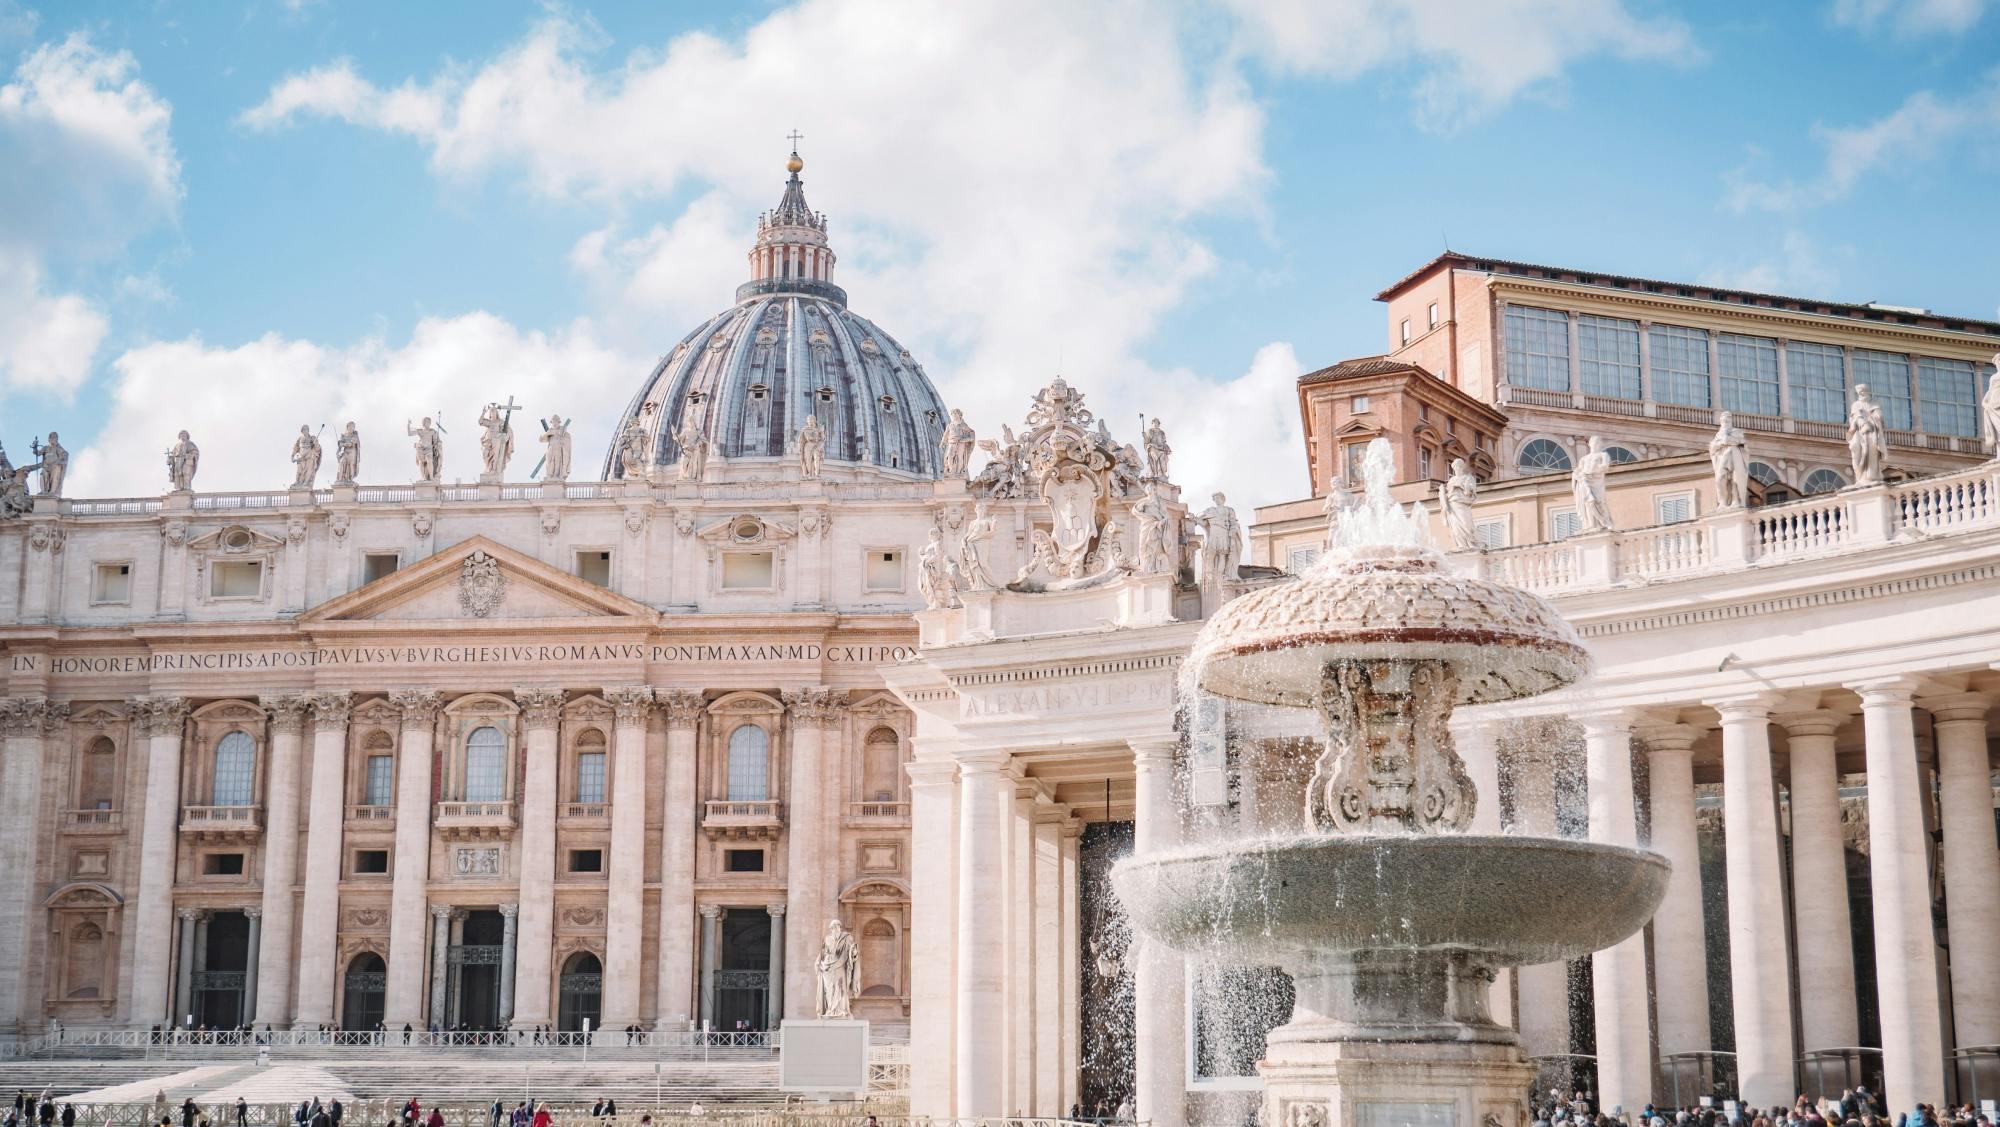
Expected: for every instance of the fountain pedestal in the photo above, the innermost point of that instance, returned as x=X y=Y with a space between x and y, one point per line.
x=1345 y=1083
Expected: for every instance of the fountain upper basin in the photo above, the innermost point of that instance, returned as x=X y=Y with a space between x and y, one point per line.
x=1506 y=901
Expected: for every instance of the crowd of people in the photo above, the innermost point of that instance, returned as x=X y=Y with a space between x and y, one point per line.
x=1855 y=1107
x=30 y=1110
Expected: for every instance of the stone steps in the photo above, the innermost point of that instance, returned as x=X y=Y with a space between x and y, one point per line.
x=64 y=1078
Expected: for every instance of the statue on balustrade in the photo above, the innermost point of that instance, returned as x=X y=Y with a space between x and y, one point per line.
x=55 y=464
x=1867 y=437
x=1729 y=459
x=306 y=456
x=1989 y=409
x=1455 y=498
x=694 y=449
x=839 y=972
x=1221 y=543
x=812 y=448
x=496 y=445
x=183 y=457
x=1156 y=533
x=1157 y=450
x=937 y=577
x=1587 y=489
x=955 y=447
x=555 y=464
x=972 y=550
x=430 y=449
x=347 y=455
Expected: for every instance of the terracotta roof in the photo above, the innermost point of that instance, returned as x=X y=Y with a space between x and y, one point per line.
x=1361 y=366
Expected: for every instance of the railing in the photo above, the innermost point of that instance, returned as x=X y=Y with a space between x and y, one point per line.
x=475 y=811
x=199 y=818
x=390 y=496
x=768 y=810
x=77 y=819
x=1825 y=1073
x=1539 y=396
x=1681 y=413
x=1673 y=549
x=1535 y=567
x=587 y=491
x=1939 y=504
x=1802 y=527
x=262 y=499
x=459 y=493
x=1605 y=405
x=116 y=506
x=371 y=813
x=1975 y=1070
x=586 y=810
x=1758 y=422
x=897 y=810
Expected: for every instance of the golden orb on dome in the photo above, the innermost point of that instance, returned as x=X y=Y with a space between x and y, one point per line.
x=794 y=164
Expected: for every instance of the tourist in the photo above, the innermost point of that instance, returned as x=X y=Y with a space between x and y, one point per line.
x=242 y=1114
x=542 y=1117
x=188 y=1110
x=494 y=1112
x=69 y=1115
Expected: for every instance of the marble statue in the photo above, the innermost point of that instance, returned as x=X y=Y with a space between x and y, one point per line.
x=1729 y=460
x=347 y=455
x=15 y=499
x=839 y=972
x=1041 y=557
x=955 y=446
x=55 y=464
x=694 y=450
x=1157 y=450
x=1221 y=543
x=430 y=449
x=937 y=576
x=305 y=455
x=555 y=464
x=1455 y=499
x=1586 y=489
x=1004 y=474
x=1989 y=409
x=1156 y=543
x=972 y=549
x=183 y=457
x=496 y=446
x=1126 y=471
x=1867 y=437
x=632 y=450
x=812 y=448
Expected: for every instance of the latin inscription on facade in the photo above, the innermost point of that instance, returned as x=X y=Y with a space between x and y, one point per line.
x=226 y=661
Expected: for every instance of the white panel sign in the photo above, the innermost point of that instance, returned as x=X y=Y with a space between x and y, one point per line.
x=823 y=1056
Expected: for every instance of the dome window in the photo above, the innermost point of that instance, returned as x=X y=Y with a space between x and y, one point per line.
x=824 y=395
x=888 y=403
x=758 y=391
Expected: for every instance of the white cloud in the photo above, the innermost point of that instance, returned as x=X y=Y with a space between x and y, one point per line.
x=1909 y=18
x=1471 y=57
x=46 y=340
x=1798 y=267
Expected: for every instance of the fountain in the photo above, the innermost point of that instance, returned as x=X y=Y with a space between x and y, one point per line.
x=1389 y=916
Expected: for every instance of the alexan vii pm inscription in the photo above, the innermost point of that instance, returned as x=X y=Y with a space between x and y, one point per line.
x=224 y=661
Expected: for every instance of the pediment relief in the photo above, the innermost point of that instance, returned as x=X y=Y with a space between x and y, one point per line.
x=1356 y=428
x=474 y=580
x=97 y=717
x=878 y=705
x=377 y=710
x=235 y=540
x=587 y=709
x=746 y=529
x=738 y=704
x=875 y=891
x=87 y=895
x=230 y=712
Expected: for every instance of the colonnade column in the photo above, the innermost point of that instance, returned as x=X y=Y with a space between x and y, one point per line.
x=541 y=711
x=1019 y=912
x=981 y=1003
x=254 y=945
x=1543 y=988
x=1906 y=980
x=184 y=967
x=1971 y=864
x=1048 y=964
x=1618 y=973
x=812 y=711
x=933 y=862
x=162 y=719
x=711 y=958
x=625 y=917
x=1478 y=744
x=271 y=963
x=1829 y=1016
x=774 y=993
x=319 y=913
x=410 y=887
x=1072 y=968
x=440 y=962
x=681 y=709
x=1159 y=1068
x=1680 y=936
x=26 y=722
x=510 y=938
x=1760 y=971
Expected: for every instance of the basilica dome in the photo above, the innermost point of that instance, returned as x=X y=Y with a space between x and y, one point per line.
x=748 y=377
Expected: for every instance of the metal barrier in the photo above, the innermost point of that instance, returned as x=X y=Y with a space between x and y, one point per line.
x=369 y=1112
x=1825 y=1073
x=179 y=1042
x=1976 y=1071
x=1686 y=1077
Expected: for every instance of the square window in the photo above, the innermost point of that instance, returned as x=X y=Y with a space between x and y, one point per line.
x=222 y=865
x=1563 y=524
x=594 y=567
x=235 y=579
x=883 y=571
x=111 y=583
x=1299 y=559
x=743 y=860
x=371 y=862
x=1672 y=508
x=1490 y=534
x=376 y=565
x=1359 y=404
x=746 y=571
x=586 y=860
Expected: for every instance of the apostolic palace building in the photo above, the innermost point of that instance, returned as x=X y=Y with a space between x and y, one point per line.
x=538 y=753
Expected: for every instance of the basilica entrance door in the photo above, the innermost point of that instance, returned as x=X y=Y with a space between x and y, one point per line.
x=580 y=993
x=743 y=981
x=474 y=964
x=366 y=981
x=219 y=984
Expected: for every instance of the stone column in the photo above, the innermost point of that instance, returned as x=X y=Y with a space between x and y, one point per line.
x=510 y=935
x=1048 y=921
x=1159 y=1071
x=1072 y=968
x=981 y=1005
x=812 y=711
x=1760 y=971
x=534 y=946
x=319 y=915
x=1544 y=987
x=410 y=890
x=1680 y=943
x=440 y=962
x=774 y=992
x=711 y=957
x=271 y=964
x=1971 y=864
x=255 y=943
x=152 y=918
x=184 y=967
x=625 y=917
x=26 y=722
x=1624 y=1018
x=1019 y=818
x=1906 y=978
x=1829 y=1016
x=933 y=793
x=1478 y=744
x=681 y=709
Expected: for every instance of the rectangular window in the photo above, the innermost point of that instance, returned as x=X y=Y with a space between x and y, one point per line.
x=590 y=777
x=1299 y=559
x=1563 y=524
x=1423 y=463
x=1351 y=457
x=371 y=862
x=1432 y=315
x=743 y=860
x=1672 y=508
x=1490 y=534
x=111 y=583
x=222 y=865
x=1406 y=330
x=1607 y=356
x=235 y=579
x=1945 y=390
x=586 y=860
x=746 y=571
x=1747 y=369
x=378 y=565
x=1358 y=405
x=380 y=782
x=883 y=571
x=1680 y=365
x=1887 y=377
x=594 y=567
x=485 y=774
x=1819 y=381
x=1537 y=347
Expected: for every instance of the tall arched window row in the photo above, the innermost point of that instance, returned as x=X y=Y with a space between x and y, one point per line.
x=749 y=764
x=590 y=766
x=485 y=765
x=881 y=756
x=97 y=775
x=235 y=770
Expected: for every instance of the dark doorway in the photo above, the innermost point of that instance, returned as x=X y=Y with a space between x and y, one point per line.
x=743 y=982
x=218 y=985
x=474 y=964
x=1105 y=1010
x=580 y=994
x=362 y=990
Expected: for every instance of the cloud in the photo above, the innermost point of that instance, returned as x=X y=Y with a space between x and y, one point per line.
x=1469 y=57
x=1798 y=267
x=1909 y=18
x=46 y=341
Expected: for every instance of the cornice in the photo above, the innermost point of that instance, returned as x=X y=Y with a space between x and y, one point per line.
x=1799 y=600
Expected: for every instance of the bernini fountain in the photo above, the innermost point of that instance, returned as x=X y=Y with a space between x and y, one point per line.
x=1390 y=918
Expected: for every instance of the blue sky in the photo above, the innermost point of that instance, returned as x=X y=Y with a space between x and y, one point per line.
x=240 y=217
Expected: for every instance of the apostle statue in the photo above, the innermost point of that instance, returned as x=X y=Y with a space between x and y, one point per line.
x=1157 y=450
x=1455 y=499
x=1586 y=489
x=1156 y=540
x=937 y=576
x=183 y=457
x=347 y=455
x=955 y=446
x=972 y=566
x=305 y=455
x=839 y=972
x=1729 y=460
x=632 y=450
x=1866 y=437
x=14 y=497
x=1221 y=543
x=430 y=449
x=555 y=435
x=694 y=449
x=496 y=446
x=1989 y=409
x=812 y=448
x=54 y=464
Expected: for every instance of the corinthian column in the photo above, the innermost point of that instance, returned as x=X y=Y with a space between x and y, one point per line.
x=1760 y=971
x=440 y=961
x=153 y=918
x=273 y=965
x=981 y=1003
x=813 y=711
x=1680 y=951
x=1624 y=1025
x=1971 y=864
x=933 y=793
x=625 y=918
x=1478 y=744
x=404 y=1000
x=534 y=950
x=509 y=935
x=682 y=711
x=1159 y=1072
x=319 y=917
x=1544 y=987
x=1829 y=1017
x=25 y=722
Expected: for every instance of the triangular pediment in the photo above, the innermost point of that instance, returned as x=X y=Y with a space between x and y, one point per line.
x=477 y=580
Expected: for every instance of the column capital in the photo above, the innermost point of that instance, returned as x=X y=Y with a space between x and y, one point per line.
x=1811 y=722
x=1949 y=708
x=630 y=702
x=931 y=773
x=1746 y=709
x=1605 y=722
x=441 y=912
x=288 y=711
x=509 y=911
x=162 y=716
x=187 y=915
x=1480 y=732
x=1668 y=738
x=331 y=710
x=22 y=716
x=55 y=714
x=681 y=708
x=1153 y=753
x=1886 y=692
x=777 y=911
x=817 y=707
x=420 y=707
x=982 y=763
x=253 y=912
x=541 y=708
x=711 y=911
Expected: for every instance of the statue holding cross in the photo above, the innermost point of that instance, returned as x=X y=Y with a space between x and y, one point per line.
x=496 y=446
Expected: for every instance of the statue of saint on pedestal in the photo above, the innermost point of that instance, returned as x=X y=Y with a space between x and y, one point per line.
x=1729 y=460
x=555 y=435
x=496 y=446
x=694 y=450
x=937 y=576
x=1221 y=543
x=839 y=972
x=55 y=464
x=347 y=455
x=812 y=448
x=183 y=458
x=305 y=456
x=1157 y=450
x=430 y=449
x=1455 y=499
x=955 y=446
x=632 y=450
x=1586 y=489
x=1156 y=542
x=1867 y=437
x=1989 y=409
x=972 y=566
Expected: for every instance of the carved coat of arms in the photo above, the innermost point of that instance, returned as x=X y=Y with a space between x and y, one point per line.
x=480 y=585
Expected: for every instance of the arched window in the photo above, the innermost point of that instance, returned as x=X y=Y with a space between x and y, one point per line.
x=235 y=769
x=881 y=756
x=749 y=764
x=1762 y=472
x=96 y=775
x=1823 y=481
x=83 y=962
x=590 y=766
x=1619 y=455
x=378 y=779
x=881 y=959
x=1543 y=456
x=485 y=765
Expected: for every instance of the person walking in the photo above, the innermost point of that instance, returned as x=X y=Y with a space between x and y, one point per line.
x=542 y=1117
x=188 y=1111
x=69 y=1115
x=493 y=1113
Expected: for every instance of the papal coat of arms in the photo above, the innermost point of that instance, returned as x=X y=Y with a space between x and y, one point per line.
x=480 y=585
